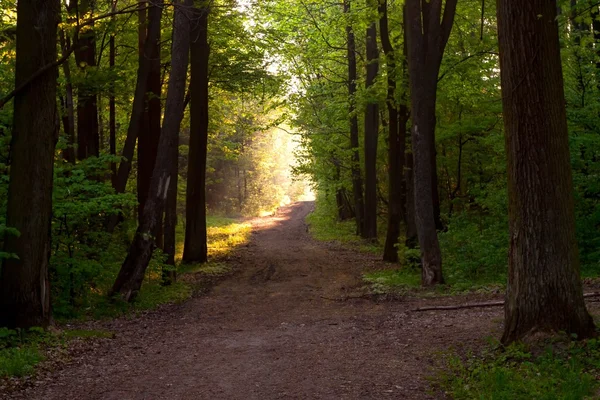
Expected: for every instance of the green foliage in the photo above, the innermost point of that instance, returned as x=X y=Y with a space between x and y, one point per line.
x=475 y=252
x=20 y=350
x=19 y=361
x=398 y=280
x=324 y=226
x=85 y=259
x=560 y=371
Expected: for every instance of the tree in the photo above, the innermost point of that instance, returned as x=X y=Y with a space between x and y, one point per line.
x=397 y=121
x=150 y=121
x=138 y=106
x=88 y=137
x=544 y=290
x=24 y=285
x=357 y=183
x=427 y=38
x=131 y=275
x=371 y=132
x=195 y=247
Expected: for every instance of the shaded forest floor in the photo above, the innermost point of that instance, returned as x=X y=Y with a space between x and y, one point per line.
x=293 y=322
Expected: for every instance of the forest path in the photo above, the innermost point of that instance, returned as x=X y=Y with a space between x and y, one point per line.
x=275 y=331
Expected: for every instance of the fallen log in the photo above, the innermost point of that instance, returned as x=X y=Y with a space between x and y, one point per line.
x=482 y=305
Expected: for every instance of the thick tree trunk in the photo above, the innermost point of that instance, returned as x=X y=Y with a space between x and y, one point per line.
x=195 y=245
x=131 y=275
x=371 y=135
x=396 y=144
x=357 y=183
x=24 y=285
x=150 y=132
x=427 y=38
x=88 y=136
x=544 y=290
x=137 y=108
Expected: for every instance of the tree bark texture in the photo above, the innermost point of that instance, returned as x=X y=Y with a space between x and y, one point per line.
x=195 y=248
x=24 y=285
x=427 y=38
x=371 y=134
x=131 y=275
x=411 y=227
x=68 y=106
x=544 y=291
x=150 y=127
x=88 y=136
x=398 y=117
x=357 y=182
x=112 y=109
x=138 y=106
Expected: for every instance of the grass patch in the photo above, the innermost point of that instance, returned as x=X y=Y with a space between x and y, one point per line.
x=559 y=370
x=399 y=280
x=19 y=361
x=325 y=228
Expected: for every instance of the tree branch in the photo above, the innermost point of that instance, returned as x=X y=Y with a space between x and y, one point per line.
x=482 y=305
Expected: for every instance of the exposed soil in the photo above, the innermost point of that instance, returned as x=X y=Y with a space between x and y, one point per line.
x=291 y=324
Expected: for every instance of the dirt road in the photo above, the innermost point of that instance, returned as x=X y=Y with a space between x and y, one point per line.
x=275 y=330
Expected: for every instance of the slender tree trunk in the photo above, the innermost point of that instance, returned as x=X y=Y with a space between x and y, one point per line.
x=396 y=144
x=170 y=242
x=131 y=275
x=371 y=135
x=427 y=38
x=68 y=107
x=357 y=183
x=88 y=136
x=411 y=227
x=137 y=108
x=24 y=284
x=195 y=245
x=112 y=109
x=596 y=28
x=544 y=291
x=150 y=132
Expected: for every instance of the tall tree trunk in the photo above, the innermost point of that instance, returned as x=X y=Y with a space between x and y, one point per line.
x=195 y=248
x=427 y=38
x=396 y=144
x=112 y=118
x=137 y=108
x=24 y=285
x=88 y=136
x=544 y=291
x=371 y=134
x=357 y=183
x=131 y=275
x=68 y=106
x=150 y=132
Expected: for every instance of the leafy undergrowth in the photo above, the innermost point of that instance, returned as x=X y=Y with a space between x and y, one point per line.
x=22 y=350
x=559 y=370
x=472 y=261
x=327 y=229
x=224 y=235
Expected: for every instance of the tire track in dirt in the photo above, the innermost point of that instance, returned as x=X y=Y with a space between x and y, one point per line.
x=272 y=332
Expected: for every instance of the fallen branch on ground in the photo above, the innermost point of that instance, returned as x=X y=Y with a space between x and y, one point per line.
x=482 y=305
